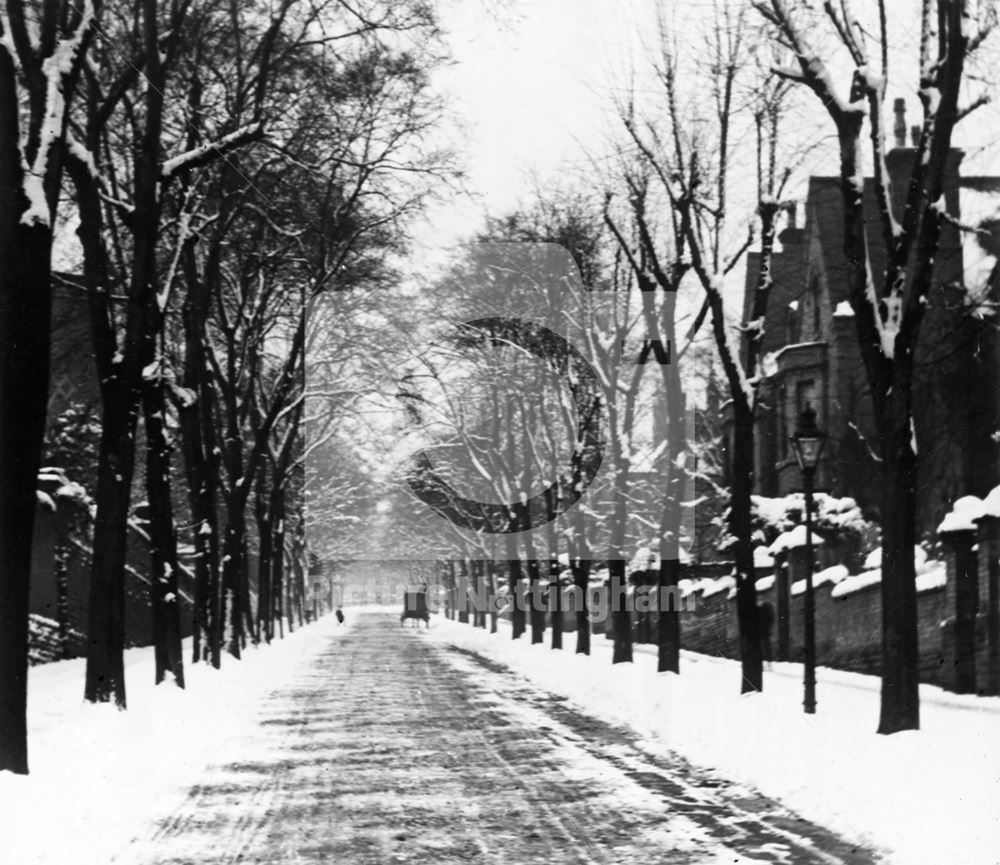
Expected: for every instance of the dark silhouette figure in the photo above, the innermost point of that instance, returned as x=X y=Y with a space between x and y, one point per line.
x=415 y=607
x=340 y=616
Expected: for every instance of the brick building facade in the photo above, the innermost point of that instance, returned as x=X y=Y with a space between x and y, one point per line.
x=811 y=353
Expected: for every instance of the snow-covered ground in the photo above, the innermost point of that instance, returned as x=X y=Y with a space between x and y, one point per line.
x=931 y=796
x=97 y=773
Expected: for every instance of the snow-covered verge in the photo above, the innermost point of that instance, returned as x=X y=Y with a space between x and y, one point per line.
x=44 y=644
x=931 y=796
x=98 y=774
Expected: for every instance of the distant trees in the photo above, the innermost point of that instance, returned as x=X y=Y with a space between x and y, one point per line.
x=570 y=221
x=520 y=432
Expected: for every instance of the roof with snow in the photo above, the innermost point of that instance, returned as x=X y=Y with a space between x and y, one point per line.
x=974 y=199
x=834 y=575
x=793 y=539
x=991 y=504
x=962 y=516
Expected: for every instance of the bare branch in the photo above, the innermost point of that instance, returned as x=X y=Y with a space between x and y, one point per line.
x=212 y=150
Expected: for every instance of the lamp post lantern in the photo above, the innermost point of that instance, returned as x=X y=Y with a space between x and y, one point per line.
x=808 y=442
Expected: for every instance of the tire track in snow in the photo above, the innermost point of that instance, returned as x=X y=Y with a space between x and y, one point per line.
x=387 y=748
x=744 y=819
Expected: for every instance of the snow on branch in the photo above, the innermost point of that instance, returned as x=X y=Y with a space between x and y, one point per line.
x=728 y=351
x=813 y=71
x=82 y=154
x=7 y=40
x=77 y=151
x=210 y=150
x=55 y=68
x=981 y=100
x=183 y=233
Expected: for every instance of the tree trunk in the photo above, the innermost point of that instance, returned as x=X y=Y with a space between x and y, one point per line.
x=581 y=579
x=287 y=598
x=553 y=503
x=748 y=617
x=462 y=596
x=492 y=584
x=579 y=564
x=299 y=571
x=668 y=621
x=537 y=597
x=201 y=466
x=25 y=313
x=167 y=651
x=479 y=576
x=278 y=557
x=900 y=704
x=517 y=616
x=452 y=591
x=621 y=620
x=25 y=343
x=265 y=535
x=232 y=578
x=203 y=522
x=105 y=677
x=556 y=605
x=249 y=618
x=642 y=590
x=122 y=391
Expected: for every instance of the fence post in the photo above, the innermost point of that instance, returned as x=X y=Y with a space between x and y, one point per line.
x=989 y=598
x=958 y=631
x=781 y=604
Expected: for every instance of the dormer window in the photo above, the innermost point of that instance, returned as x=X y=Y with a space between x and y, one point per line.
x=792 y=323
x=805 y=394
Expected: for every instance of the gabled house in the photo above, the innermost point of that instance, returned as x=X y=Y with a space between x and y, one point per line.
x=811 y=353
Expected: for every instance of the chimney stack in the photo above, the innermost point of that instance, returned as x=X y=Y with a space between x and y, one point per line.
x=899 y=130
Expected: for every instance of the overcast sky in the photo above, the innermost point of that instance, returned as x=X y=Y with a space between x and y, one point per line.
x=533 y=84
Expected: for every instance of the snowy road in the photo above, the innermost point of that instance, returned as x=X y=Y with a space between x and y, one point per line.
x=389 y=748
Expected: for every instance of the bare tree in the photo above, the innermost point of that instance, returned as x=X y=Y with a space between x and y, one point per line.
x=693 y=169
x=656 y=271
x=42 y=49
x=121 y=170
x=889 y=305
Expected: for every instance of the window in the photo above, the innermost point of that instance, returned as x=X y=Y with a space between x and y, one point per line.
x=782 y=422
x=805 y=392
x=792 y=323
x=814 y=300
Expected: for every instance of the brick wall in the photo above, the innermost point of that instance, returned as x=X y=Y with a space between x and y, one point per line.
x=848 y=629
x=849 y=626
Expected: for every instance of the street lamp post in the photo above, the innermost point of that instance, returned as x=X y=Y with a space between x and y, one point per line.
x=808 y=442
